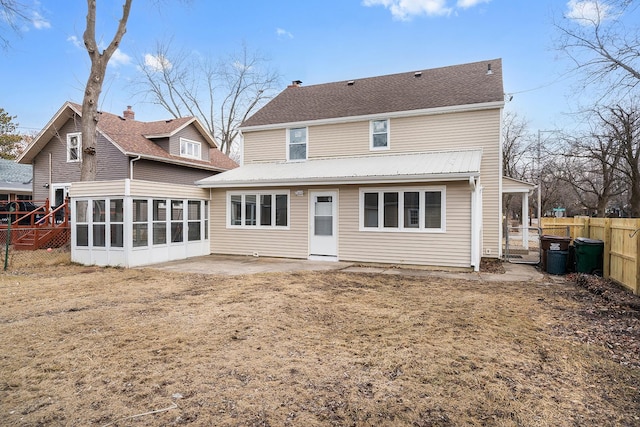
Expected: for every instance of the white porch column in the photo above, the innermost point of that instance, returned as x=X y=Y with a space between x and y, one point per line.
x=525 y=220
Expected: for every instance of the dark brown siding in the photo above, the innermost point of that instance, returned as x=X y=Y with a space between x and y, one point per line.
x=165 y=172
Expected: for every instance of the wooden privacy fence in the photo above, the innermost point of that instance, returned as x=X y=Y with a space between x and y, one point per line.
x=621 y=237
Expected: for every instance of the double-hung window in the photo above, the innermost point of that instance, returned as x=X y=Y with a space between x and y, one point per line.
x=391 y=209
x=258 y=210
x=74 y=147
x=297 y=144
x=379 y=139
x=191 y=149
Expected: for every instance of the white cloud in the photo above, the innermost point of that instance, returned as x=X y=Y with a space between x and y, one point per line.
x=75 y=41
x=283 y=33
x=466 y=4
x=587 y=12
x=38 y=21
x=406 y=9
x=157 y=62
x=119 y=58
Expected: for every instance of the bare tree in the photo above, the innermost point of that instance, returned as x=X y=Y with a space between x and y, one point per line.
x=604 y=50
x=99 y=61
x=12 y=14
x=589 y=165
x=516 y=156
x=221 y=94
x=621 y=123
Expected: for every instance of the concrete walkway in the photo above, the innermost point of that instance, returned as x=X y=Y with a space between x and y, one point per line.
x=238 y=265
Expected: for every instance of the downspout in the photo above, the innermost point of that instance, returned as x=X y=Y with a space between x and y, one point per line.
x=131 y=166
x=49 y=189
x=475 y=250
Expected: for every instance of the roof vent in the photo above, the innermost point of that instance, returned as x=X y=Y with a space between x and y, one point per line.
x=489 y=72
x=351 y=82
x=417 y=74
x=295 y=83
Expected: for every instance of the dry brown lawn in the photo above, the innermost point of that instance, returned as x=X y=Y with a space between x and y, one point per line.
x=114 y=347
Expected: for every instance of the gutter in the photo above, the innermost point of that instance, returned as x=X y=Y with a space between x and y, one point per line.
x=343 y=180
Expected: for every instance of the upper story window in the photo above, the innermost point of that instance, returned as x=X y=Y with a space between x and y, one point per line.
x=191 y=149
x=379 y=135
x=297 y=144
x=74 y=147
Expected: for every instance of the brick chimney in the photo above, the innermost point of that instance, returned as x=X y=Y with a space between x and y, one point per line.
x=129 y=114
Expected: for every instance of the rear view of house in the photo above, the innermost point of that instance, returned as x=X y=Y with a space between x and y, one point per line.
x=402 y=168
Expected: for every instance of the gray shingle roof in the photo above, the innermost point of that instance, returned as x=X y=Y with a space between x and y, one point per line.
x=13 y=172
x=464 y=84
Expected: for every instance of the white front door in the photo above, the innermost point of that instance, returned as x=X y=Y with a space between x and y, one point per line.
x=323 y=239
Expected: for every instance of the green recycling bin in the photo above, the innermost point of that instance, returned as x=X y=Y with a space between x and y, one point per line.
x=588 y=255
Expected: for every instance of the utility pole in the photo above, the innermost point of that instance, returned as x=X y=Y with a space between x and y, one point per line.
x=540 y=174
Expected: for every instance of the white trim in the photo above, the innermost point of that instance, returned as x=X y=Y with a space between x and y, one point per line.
x=401 y=190
x=335 y=224
x=390 y=115
x=184 y=143
x=257 y=193
x=78 y=158
x=371 y=134
x=306 y=143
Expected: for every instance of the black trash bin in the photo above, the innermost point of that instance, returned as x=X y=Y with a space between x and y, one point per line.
x=589 y=255
x=557 y=262
x=552 y=243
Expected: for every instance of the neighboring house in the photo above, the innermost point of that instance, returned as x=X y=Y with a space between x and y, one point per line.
x=177 y=151
x=15 y=181
x=402 y=168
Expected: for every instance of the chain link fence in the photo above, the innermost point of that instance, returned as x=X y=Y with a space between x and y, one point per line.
x=16 y=254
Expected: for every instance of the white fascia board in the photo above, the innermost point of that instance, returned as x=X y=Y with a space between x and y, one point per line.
x=404 y=179
x=390 y=115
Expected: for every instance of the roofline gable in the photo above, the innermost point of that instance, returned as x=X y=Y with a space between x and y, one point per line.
x=31 y=150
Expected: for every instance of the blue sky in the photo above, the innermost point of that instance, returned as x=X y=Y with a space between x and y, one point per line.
x=313 y=41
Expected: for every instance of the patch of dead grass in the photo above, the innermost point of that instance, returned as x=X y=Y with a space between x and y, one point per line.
x=91 y=346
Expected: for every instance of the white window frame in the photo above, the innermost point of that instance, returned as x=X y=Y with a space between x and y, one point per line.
x=257 y=194
x=306 y=143
x=401 y=227
x=195 y=145
x=78 y=158
x=372 y=133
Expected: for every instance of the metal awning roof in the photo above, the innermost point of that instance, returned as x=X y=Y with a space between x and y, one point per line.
x=410 y=167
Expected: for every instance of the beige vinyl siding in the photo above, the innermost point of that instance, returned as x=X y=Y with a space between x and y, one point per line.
x=447 y=131
x=451 y=248
x=346 y=139
x=287 y=243
x=478 y=129
x=265 y=146
x=136 y=188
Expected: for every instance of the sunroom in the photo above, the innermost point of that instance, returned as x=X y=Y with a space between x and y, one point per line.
x=131 y=223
